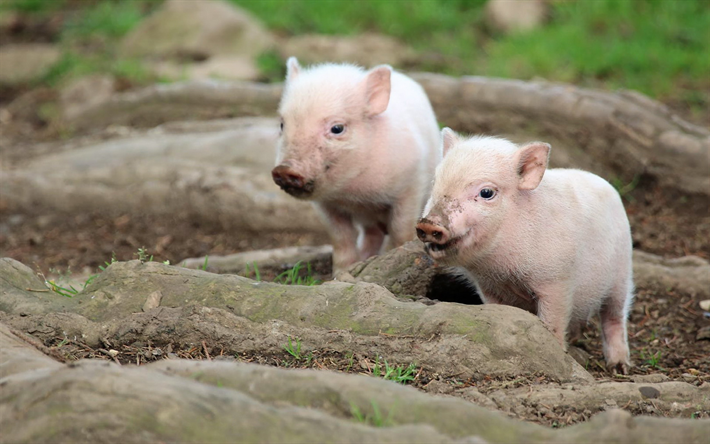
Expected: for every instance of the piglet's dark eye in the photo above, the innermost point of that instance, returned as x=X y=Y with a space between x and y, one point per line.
x=337 y=129
x=282 y=126
x=487 y=193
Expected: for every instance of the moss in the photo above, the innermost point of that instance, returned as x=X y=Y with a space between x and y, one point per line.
x=461 y=323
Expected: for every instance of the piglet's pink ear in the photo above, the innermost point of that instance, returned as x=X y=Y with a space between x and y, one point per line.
x=532 y=161
x=449 y=138
x=292 y=69
x=378 y=85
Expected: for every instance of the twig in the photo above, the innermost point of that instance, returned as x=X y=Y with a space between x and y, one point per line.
x=514 y=381
x=41 y=290
x=418 y=373
x=204 y=347
x=38 y=345
x=107 y=353
x=395 y=336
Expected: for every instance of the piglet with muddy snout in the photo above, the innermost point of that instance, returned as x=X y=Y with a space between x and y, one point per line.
x=363 y=146
x=555 y=242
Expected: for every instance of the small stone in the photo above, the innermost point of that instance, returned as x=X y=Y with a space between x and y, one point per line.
x=705 y=305
x=703 y=334
x=687 y=377
x=153 y=300
x=472 y=440
x=610 y=402
x=15 y=219
x=649 y=392
x=24 y=62
x=113 y=353
x=509 y=16
x=365 y=49
x=197 y=31
x=653 y=378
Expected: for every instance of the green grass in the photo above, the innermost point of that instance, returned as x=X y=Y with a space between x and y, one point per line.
x=374 y=419
x=89 y=37
x=294 y=276
x=400 y=19
x=255 y=268
x=111 y=19
x=32 y=6
x=624 y=189
x=293 y=348
x=142 y=255
x=651 y=360
x=658 y=47
x=396 y=373
x=650 y=46
x=68 y=290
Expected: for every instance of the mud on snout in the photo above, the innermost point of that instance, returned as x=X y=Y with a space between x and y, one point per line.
x=292 y=182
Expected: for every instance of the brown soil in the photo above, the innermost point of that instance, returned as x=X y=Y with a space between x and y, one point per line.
x=83 y=242
x=663 y=328
x=423 y=379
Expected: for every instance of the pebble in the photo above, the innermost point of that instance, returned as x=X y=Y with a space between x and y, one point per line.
x=705 y=305
x=113 y=353
x=703 y=334
x=649 y=392
x=687 y=377
x=653 y=378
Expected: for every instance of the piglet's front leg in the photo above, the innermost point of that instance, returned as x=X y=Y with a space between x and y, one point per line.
x=555 y=309
x=343 y=236
x=403 y=217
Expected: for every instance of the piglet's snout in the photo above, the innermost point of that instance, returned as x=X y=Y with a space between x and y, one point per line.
x=292 y=182
x=285 y=177
x=431 y=232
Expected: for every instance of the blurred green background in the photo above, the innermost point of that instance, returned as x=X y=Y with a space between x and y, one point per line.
x=658 y=47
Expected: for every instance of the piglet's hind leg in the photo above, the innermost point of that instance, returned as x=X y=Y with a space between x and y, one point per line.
x=614 y=336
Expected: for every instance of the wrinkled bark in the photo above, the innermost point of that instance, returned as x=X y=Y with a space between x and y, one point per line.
x=219 y=170
x=624 y=131
x=227 y=310
x=274 y=259
x=409 y=271
x=185 y=401
x=215 y=171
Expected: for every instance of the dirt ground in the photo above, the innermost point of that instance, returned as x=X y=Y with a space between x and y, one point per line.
x=668 y=332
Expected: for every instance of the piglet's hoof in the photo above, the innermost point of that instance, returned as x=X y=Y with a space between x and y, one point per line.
x=620 y=368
